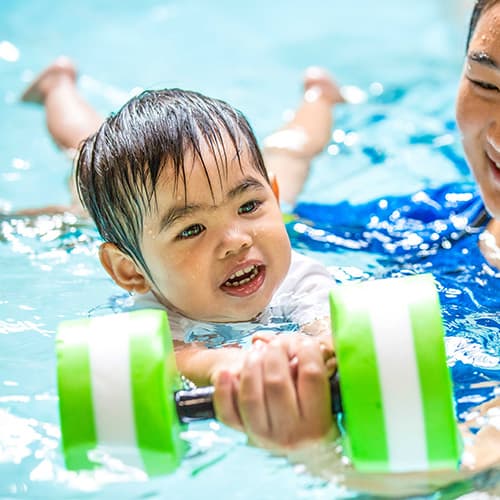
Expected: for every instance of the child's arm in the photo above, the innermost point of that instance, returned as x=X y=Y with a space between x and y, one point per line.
x=281 y=398
x=201 y=364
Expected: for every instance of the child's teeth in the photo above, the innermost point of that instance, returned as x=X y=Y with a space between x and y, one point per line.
x=241 y=272
x=232 y=282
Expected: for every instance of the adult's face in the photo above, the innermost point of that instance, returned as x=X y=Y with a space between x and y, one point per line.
x=478 y=107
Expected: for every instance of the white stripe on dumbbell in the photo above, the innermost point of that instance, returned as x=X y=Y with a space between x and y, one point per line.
x=111 y=387
x=399 y=380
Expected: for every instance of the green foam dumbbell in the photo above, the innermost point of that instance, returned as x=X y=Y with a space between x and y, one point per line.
x=397 y=398
x=119 y=389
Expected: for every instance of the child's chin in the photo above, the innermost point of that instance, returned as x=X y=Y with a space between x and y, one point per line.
x=249 y=315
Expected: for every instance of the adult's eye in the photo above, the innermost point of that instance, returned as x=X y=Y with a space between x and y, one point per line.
x=484 y=85
x=249 y=207
x=190 y=232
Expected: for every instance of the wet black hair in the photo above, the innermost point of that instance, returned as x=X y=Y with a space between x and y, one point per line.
x=479 y=7
x=118 y=168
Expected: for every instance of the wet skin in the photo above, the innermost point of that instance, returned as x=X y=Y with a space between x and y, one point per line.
x=217 y=257
x=478 y=107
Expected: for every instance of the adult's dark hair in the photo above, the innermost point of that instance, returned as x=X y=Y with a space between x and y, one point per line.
x=479 y=7
x=118 y=168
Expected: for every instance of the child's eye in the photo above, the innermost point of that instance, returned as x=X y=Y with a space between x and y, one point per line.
x=484 y=85
x=249 y=207
x=190 y=232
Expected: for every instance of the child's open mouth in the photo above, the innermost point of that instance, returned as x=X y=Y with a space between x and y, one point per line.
x=245 y=281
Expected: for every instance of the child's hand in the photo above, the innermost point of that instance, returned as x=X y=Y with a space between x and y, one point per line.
x=279 y=405
x=325 y=345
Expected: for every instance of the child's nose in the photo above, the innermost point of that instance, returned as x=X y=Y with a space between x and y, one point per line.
x=234 y=240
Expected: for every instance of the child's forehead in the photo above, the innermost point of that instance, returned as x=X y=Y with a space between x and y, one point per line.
x=209 y=171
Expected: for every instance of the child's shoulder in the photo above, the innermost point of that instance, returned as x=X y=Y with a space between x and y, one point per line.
x=304 y=292
x=303 y=266
x=149 y=301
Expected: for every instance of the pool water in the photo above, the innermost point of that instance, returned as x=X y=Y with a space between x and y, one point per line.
x=402 y=138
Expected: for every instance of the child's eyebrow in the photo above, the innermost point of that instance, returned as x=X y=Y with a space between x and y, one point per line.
x=174 y=214
x=245 y=185
x=484 y=59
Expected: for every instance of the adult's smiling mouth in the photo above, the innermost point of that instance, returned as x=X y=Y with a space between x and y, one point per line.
x=245 y=281
x=495 y=168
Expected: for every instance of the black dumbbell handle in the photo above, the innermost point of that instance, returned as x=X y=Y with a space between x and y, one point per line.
x=197 y=404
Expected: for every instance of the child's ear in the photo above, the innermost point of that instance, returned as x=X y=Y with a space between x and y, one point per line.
x=122 y=269
x=274 y=185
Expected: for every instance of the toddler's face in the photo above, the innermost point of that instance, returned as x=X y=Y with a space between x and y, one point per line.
x=478 y=107
x=217 y=257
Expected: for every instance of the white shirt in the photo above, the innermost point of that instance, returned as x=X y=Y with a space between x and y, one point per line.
x=300 y=299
